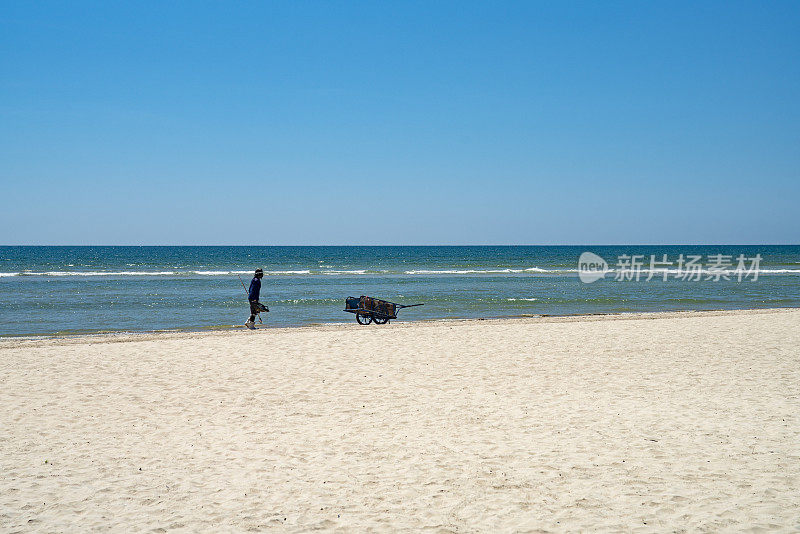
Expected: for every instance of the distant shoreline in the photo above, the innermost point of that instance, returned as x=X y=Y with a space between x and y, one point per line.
x=132 y=335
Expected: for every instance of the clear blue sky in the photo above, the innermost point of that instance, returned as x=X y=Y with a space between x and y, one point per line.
x=399 y=123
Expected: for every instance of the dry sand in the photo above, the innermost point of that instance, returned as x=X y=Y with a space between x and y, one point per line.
x=678 y=422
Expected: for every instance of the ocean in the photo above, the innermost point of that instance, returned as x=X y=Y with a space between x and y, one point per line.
x=76 y=290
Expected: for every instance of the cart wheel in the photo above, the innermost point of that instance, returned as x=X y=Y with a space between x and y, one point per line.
x=380 y=320
x=363 y=319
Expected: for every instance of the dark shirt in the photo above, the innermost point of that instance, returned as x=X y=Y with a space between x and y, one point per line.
x=255 y=289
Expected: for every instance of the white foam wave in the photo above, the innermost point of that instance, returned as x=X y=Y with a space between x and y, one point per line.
x=299 y=301
x=463 y=271
x=145 y=273
x=489 y=271
x=224 y=273
x=98 y=273
x=529 y=300
x=705 y=272
x=671 y=272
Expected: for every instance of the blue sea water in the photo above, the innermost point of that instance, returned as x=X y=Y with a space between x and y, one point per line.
x=59 y=290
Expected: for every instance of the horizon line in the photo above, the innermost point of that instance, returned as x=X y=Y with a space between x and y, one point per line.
x=422 y=245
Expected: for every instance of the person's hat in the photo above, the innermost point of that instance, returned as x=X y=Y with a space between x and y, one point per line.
x=259 y=271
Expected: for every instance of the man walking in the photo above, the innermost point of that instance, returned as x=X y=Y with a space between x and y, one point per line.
x=253 y=294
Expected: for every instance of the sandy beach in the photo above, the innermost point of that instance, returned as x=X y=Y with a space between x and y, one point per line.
x=652 y=422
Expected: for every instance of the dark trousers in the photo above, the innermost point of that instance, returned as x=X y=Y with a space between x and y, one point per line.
x=253 y=310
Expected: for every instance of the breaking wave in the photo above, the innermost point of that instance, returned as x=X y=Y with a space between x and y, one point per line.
x=488 y=271
x=412 y=272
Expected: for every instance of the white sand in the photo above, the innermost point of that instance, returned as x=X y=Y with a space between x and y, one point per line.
x=678 y=422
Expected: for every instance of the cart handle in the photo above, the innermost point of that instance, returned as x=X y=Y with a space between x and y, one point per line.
x=409 y=305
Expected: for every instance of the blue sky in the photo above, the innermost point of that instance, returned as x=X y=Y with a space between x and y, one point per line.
x=399 y=123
